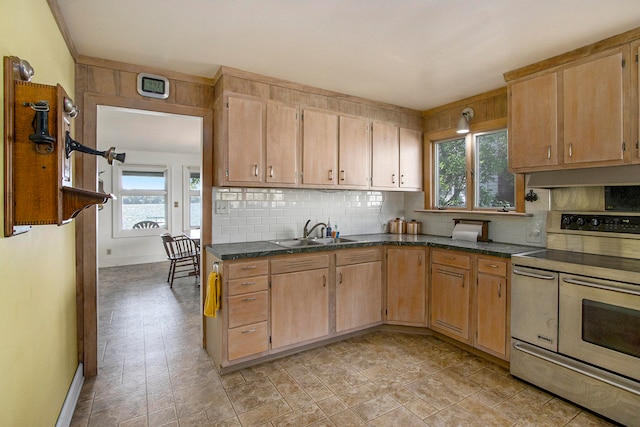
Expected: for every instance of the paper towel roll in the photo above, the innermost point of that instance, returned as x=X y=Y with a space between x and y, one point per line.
x=469 y=232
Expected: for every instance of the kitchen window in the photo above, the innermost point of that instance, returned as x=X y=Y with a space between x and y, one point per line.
x=470 y=173
x=142 y=200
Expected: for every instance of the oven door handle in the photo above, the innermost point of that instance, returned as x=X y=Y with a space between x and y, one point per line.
x=534 y=275
x=600 y=286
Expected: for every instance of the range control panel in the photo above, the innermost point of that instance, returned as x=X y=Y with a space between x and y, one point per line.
x=601 y=223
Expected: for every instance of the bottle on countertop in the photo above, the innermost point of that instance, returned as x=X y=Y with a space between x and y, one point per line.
x=329 y=227
x=335 y=232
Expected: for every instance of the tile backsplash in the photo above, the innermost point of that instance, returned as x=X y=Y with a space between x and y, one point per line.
x=269 y=214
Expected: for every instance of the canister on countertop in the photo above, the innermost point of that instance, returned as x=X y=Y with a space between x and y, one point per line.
x=397 y=226
x=414 y=227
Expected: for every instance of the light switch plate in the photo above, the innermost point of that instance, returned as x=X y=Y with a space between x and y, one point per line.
x=222 y=206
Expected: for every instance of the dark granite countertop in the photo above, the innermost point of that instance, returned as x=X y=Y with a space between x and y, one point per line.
x=232 y=251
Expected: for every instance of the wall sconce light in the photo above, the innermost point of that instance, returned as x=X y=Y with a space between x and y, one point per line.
x=463 y=123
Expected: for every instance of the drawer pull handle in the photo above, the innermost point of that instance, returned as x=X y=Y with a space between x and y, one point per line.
x=249 y=299
x=248 y=331
x=249 y=267
x=449 y=257
x=255 y=170
x=499 y=290
x=330 y=174
x=340 y=278
x=393 y=178
x=492 y=265
x=248 y=283
x=270 y=171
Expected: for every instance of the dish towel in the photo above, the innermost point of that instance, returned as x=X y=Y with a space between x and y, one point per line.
x=212 y=299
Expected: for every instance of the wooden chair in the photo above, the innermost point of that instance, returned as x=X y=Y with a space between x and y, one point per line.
x=184 y=255
x=146 y=224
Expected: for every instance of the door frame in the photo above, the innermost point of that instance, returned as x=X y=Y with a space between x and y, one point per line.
x=87 y=223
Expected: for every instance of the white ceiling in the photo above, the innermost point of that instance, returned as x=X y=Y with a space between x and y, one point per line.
x=414 y=53
x=128 y=129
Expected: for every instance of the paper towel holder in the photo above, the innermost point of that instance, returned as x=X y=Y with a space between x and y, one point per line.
x=484 y=235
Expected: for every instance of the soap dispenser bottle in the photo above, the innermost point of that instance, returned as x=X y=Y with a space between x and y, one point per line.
x=329 y=227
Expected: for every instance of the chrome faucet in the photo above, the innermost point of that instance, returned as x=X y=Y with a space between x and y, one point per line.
x=306 y=232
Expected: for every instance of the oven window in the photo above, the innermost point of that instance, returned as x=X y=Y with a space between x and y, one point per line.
x=610 y=326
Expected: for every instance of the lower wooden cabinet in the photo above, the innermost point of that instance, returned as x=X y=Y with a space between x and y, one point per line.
x=299 y=299
x=275 y=304
x=492 y=306
x=450 y=294
x=358 y=289
x=407 y=286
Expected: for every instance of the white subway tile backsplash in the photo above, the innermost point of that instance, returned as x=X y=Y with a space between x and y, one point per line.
x=270 y=214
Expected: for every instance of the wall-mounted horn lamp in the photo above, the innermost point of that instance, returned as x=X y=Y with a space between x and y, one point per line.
x=463 y=123
x=110 y=154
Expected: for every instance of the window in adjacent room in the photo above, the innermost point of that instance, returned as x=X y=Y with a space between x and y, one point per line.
x=143 y=197
x=192 y=202
x=471 y=173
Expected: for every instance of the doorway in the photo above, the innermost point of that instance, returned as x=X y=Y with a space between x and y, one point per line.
x=87 y=224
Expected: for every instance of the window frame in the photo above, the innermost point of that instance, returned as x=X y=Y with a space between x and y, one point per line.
x=470 y=154
x=118 y=169
x=187 y=193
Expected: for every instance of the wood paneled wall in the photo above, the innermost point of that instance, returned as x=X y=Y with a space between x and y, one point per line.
x=101 y=82
x=487 y=107
x=246 y=83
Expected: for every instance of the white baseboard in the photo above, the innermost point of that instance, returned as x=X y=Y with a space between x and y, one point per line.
x=69 y=406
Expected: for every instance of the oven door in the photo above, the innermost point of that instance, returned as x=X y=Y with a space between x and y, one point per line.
x=600 y=323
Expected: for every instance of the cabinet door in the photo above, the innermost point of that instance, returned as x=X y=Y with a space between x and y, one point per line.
x=320 y=148
x=282 y=144
x=299 y=307
x=492 y=314
x=410 y=159
x=593 y=111
x=358 y=295
x=450 y=301
x=385 y=156
x=406 y=286
x=533 y=123
x=353 y=158
x=245 y=139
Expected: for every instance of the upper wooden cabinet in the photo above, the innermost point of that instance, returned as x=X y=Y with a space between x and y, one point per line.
x=396 y=158
x=261 y=142
x=574 y=115
x=593 y=110
x=533 y=123
x=319 y=148
x=385 y=166
x=410 y=159
x=281 y=166
x=354 y=148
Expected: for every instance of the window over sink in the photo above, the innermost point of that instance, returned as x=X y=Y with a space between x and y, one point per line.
x=470 y=173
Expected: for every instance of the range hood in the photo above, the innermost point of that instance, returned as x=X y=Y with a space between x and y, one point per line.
x=589 y=177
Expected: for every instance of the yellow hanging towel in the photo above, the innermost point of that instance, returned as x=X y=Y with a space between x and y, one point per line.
x=212 y=299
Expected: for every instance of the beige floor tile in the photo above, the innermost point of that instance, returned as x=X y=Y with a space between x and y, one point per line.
x=153 y=371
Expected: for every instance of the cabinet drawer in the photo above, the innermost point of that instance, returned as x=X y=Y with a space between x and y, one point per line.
x=299 y=263
x=492 y=266
x=238 y=270
x=357 y=256
x=248 y=308
x=247 y=340
x=249 y=284
x=450 y=258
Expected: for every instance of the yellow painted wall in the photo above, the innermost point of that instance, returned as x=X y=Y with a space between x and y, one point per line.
x=37 y=269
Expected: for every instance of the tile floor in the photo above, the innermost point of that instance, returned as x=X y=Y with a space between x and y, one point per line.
x=154 y=373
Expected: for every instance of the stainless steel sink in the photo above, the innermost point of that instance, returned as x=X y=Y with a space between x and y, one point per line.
x=301 y=242
x=335 y=240
x=296 y=243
